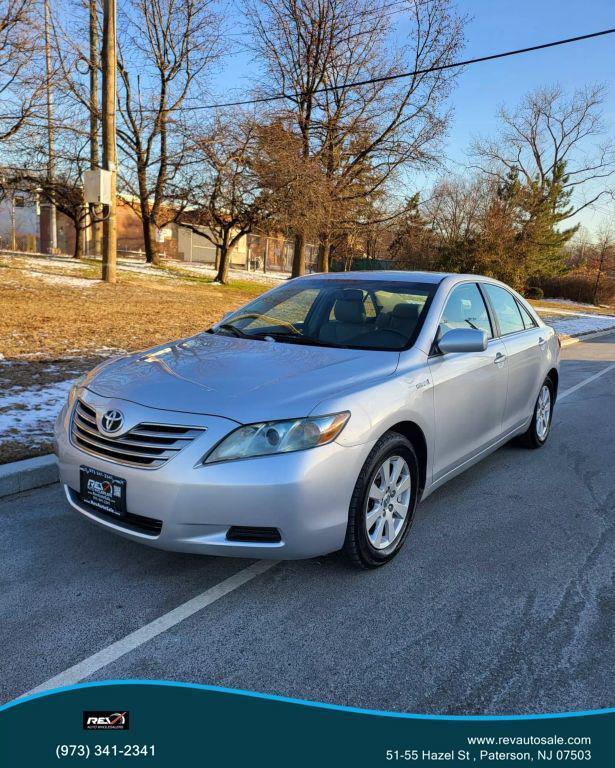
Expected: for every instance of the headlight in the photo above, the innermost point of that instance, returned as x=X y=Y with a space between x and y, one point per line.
x=278 y=437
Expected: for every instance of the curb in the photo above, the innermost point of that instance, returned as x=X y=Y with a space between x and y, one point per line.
x=569 y=340
x=19 y=476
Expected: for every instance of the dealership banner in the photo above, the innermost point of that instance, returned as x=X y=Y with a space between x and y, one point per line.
x=173 y=724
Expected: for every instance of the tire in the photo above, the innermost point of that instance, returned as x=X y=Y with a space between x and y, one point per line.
x=538 y=432
x=360 y=544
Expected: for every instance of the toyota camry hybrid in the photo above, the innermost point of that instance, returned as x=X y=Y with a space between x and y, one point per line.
x=310 y=420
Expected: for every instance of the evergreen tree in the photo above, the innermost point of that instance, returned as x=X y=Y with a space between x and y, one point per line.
x=538 y=209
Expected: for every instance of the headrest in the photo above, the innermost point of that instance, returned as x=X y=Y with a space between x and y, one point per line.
x=350 y=294
x=455 y=311
x=349 y=311
x=406 y=310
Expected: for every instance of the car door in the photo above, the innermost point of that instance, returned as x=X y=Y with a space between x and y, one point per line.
x=523 y=341
x=469 y=387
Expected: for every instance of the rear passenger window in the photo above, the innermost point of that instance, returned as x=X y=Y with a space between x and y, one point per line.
x=465 y=308
x=506 y=309
x=528 y=320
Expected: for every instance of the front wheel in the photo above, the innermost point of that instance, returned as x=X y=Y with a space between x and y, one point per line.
x=383 y=502
x=540 y=426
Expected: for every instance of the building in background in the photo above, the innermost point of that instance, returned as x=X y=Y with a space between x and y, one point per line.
x=24 y=226
x=19 y=222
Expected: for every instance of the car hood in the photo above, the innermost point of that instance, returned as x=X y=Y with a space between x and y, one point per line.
x=240 y=379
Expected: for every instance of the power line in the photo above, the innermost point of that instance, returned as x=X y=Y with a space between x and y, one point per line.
x=386 y=78
x=402 y=75
x=384 y=12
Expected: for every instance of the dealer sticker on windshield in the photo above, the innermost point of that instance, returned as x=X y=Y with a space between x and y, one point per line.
x=103 y=491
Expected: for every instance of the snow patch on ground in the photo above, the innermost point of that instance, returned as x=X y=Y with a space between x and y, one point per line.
x=30 y=413
x=579 y=323
x=67 y=280
x=35 y=261
x=134 y=266
x=268 y=278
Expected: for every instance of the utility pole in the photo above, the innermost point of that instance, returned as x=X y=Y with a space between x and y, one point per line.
x=13 y=223
x=53 y=227
x=109 y=100
x=95 y=210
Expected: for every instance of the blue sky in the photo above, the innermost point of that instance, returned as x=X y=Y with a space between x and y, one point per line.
x=498 y=25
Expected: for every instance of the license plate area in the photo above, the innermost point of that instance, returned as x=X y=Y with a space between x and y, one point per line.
x=103 y=491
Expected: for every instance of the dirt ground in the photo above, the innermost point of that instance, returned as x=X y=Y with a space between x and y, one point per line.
x=57 y=320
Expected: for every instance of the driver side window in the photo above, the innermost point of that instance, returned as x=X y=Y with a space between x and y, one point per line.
x=465 y=308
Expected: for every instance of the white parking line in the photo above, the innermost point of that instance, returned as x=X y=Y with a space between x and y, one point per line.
x=121 y=647
x=570 y=390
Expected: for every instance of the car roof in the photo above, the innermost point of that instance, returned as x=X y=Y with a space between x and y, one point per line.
x=384 y=275
x=390 y=275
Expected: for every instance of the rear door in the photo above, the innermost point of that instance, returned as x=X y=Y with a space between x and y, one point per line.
x=523 y=342
x=469 y=387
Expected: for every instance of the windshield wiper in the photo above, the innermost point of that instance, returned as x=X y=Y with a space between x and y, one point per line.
x=232 y=329
x=289 y=338
x=293 y=338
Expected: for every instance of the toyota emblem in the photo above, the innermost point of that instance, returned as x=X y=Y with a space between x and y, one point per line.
x=112 y=421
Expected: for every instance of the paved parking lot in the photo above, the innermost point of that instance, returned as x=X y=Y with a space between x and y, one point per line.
x=502 y=601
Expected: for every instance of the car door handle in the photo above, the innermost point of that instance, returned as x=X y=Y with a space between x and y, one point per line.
x=499 y=358
x=541 y=342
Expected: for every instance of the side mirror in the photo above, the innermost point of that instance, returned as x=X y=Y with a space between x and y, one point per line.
x=463 y=340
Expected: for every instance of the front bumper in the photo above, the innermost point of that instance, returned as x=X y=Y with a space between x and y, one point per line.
x=305 y=495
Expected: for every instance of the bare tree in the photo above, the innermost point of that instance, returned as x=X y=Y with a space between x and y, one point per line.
x=553 y=134
x=312 y=50
x=223 y=199
x=603 y=258
x=455 y=208
x=296 y=187
x=20 y=88
x=372 y=132
x=296 y=40
x=166 y=47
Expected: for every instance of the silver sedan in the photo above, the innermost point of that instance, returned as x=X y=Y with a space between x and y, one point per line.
x=313 y=419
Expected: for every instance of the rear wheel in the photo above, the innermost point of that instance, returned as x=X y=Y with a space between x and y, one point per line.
x=540 y=426
x=383 y=502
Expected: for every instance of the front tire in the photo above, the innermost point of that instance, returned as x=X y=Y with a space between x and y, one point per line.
x=383 y=502
x=539 y=430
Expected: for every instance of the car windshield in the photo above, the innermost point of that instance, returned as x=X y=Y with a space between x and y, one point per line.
x=365 y=314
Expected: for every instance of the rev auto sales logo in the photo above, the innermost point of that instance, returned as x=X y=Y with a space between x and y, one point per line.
x=106 y=721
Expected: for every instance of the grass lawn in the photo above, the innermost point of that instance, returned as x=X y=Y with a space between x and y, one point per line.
x=58 y=308
x=57 y=320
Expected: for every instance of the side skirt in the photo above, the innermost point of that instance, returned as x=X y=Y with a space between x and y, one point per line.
x=474 y=459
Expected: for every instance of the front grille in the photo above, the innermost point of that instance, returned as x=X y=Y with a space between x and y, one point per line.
x=146 y=445
x=131 y=522
x=253 y=534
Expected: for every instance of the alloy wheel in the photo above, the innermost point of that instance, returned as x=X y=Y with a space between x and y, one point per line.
x=388 y=502
x=543 y=412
